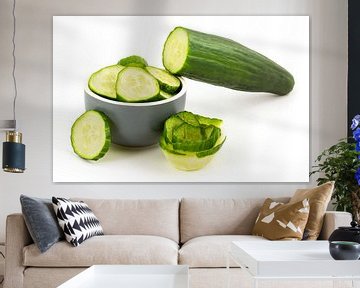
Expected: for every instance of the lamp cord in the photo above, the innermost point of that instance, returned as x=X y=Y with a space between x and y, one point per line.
x=14 y=60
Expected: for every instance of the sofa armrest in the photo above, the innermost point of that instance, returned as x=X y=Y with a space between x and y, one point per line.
x=17 y=237
x=332 y=220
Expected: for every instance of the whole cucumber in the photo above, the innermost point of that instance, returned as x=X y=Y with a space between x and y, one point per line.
x=223 y=62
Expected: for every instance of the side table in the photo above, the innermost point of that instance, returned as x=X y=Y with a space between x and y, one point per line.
x=287 y=261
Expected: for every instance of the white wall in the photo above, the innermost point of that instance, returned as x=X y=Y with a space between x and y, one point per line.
x=328 y=22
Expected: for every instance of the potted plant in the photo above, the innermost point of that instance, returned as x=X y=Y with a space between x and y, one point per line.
x=341 y=163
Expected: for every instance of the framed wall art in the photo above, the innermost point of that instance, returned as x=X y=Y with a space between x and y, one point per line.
x=243 y=82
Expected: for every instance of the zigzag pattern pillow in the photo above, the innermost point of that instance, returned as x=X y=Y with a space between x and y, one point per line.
x=77 y=220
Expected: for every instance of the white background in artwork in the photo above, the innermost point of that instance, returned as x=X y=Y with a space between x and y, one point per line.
x=267 y=135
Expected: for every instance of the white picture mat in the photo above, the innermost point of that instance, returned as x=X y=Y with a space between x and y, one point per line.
x=267 y=135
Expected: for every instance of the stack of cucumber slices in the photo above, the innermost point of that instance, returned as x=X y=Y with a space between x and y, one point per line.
x=132 y=80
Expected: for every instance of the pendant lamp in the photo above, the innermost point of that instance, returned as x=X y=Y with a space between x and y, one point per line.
x=13 y=160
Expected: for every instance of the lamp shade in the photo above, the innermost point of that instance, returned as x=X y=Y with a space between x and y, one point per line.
x=13 y=153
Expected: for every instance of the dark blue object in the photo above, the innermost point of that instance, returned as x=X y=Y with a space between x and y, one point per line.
x=13 y=157
x=344 y=250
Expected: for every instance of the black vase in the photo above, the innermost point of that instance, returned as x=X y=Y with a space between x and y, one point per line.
x=351 y=233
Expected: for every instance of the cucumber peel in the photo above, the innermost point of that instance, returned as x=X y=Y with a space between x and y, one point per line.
x=209 y=121
x=134 y=84
x=90 y=135
x=168 y=83
x=163 y=95
x=189 y=118
x=103 y=81
x=189 y=142
x=133 y=61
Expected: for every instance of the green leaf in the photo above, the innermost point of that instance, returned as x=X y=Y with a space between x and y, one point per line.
x=339 y=163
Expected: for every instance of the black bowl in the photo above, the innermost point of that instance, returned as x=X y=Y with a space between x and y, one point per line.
x=344 y=250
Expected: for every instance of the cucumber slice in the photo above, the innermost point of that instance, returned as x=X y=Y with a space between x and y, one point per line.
x=134 y=84
x=176 y=50
x=163 y=95
x=103 y=81
x=169 y=83
x=90 y=135
x=133 y=61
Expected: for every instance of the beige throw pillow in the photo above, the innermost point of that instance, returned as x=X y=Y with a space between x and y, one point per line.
x=319 y=198
x=279 y=221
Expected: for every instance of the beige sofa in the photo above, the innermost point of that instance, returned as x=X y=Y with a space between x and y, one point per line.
x=194 y=232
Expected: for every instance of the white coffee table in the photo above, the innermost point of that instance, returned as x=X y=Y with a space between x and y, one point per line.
x=296 y=260
x=131 y=276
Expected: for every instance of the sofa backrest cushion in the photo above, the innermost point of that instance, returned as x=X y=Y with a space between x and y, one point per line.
x=159 y=217
x=200 y=217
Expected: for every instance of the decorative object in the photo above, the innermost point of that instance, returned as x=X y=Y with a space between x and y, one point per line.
x=355 y=195
x=343 y=233
x=77 y=220
x=344 y=250
x=319 y=198
x=279 y=221
x=13 y=149
x=341 y=163
x=242 y=158
x=41 y=221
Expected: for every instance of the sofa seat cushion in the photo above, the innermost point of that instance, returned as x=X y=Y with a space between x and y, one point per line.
x=107 y=249
x=211 y=251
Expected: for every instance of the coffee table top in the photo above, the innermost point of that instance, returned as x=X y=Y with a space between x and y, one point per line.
x=131 y=276
x=291 y=259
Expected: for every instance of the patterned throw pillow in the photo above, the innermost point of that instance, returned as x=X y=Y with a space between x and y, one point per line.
x=279 y=221
x=319 y=198
x=77 y=220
